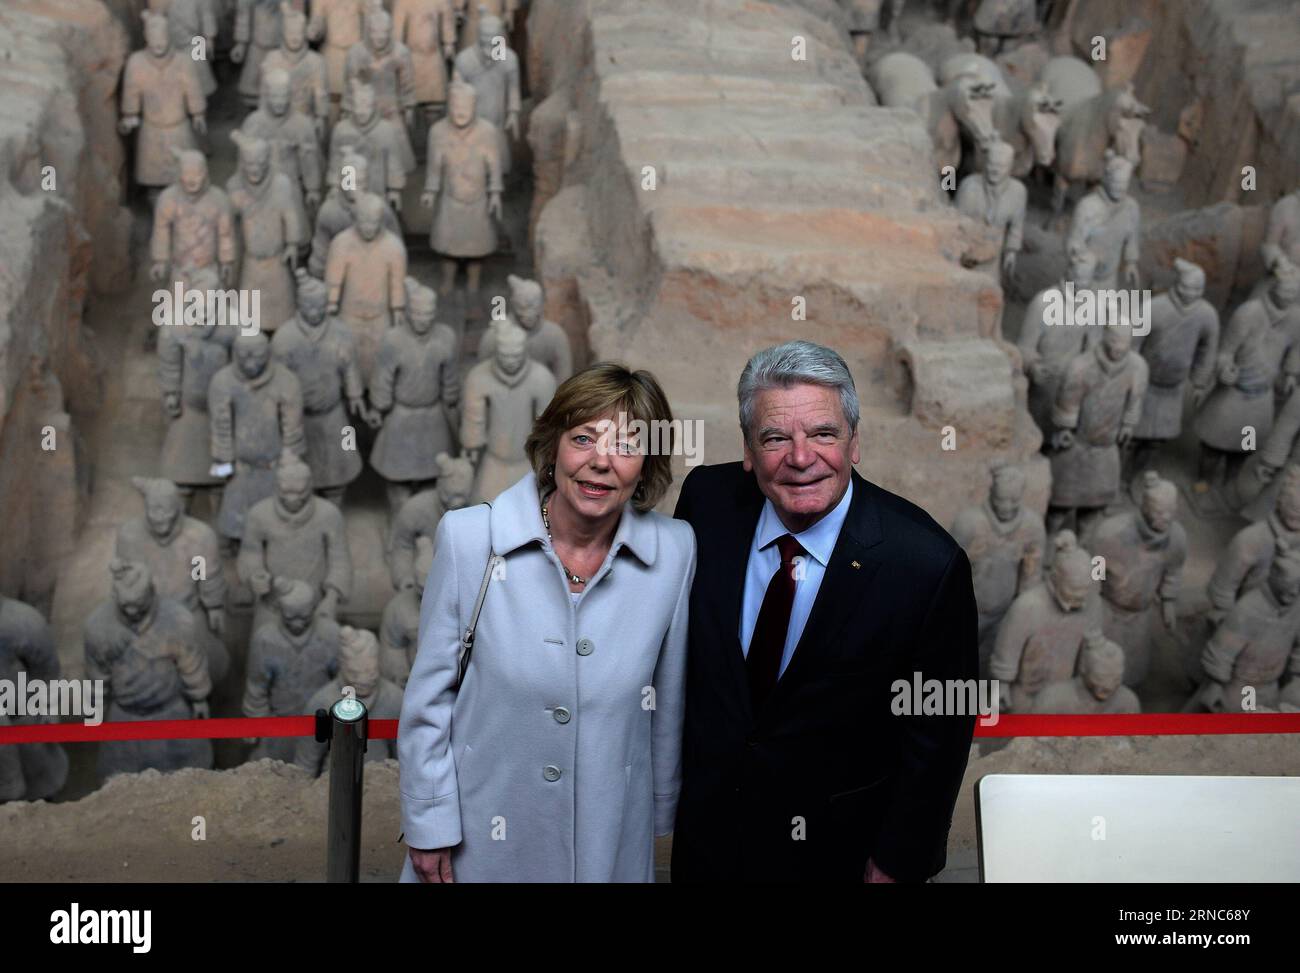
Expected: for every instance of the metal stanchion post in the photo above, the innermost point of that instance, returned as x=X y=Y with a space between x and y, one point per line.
x=346 y=727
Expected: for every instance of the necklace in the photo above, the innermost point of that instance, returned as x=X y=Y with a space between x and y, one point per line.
x=546 y=522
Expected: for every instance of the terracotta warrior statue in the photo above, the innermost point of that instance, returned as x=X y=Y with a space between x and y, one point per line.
x=997 y=200
x=399 y=627
x=359 y=670
x=416 y=387
x=294 y=534
x=338 y=212
x=365 y=132
x=1282 y=238
x=257 y=34
x=1181 y=346
x=1145 y=550
x=320 y=351
x=1099 y=686
x=28 y=771
x=365 y=273
x=255 y=406
x=1005 y=543
x=184 y=562
x=188 y=358
x=162 y=96
x=491 y=68
x=271 y=227
x=1281 y=448
x=305 y=68
x=1046 y=348
x=289 y=658
x=473 y=12
x=547 y=342
x=144 y=648
x=386 y=64
x=1097 y=408
x=1258 y=365
x=463 y=186
x=1038 y=642
x=340 y=24
x=295 y=151
x=193 y=227
x=1245 y=561
x=1257 y=643
x=428 y=29
x=502 y=398
x=187 y=21
x=419 y=516
x=1108 y=222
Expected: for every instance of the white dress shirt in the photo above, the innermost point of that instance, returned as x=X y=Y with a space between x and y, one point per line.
x=765 y=557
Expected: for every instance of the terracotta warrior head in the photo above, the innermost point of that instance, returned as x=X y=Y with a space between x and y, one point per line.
x=292 y=482
x=1101 y=665
x=490 y=28
x=293 y=23
x=455 y=480
x=296 y=601
x=1118 y=172
x=157 y=34
x=254 y=157
x=1006 y=491
x=1159 y=503
x=1286 y=282
x=1288 y=497
x=379 y=34
x=370 y=216
x=1190 y=285
x=997 y=167
x=163 y=507
x=421 y=306
x=358 y=660
x=277 y=92
x=252 y=355
x=1070 y=577
x=462 y=103
x=511 y=347
x=193 y=170
x=133 y=592
x=526 y=301
x=1117 y=339
x=313 y=298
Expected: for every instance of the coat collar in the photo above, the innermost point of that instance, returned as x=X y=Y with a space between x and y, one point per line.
x=516 y=520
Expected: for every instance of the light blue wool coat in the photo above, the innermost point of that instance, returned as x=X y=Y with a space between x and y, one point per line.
x=522 y=790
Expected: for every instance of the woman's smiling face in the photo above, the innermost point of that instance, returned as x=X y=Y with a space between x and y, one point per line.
x=597 y=467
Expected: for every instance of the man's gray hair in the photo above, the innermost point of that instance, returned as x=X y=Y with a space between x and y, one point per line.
x=792 y=363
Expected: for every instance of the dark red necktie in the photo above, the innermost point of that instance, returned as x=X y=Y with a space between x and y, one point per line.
x=768 y=642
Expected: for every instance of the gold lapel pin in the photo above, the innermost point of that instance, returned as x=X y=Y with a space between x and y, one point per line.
x=855 y=564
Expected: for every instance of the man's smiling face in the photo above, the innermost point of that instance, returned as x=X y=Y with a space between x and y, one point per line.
x=801 y=451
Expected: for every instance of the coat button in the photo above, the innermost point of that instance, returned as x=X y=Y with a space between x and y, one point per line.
x=551 y=772
x=561 y=715
x=586 y=646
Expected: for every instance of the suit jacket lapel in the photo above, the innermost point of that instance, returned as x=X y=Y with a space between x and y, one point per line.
x=841 y=590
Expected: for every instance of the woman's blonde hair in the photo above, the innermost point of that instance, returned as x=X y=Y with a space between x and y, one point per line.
x=599 y=390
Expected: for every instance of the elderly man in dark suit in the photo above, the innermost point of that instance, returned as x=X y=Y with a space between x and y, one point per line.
x=815 y=591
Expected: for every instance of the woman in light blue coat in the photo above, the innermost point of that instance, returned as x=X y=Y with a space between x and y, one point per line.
x=558 y=757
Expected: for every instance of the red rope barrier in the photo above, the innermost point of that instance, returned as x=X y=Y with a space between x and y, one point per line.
x=261 y=726
x=1010 y=725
